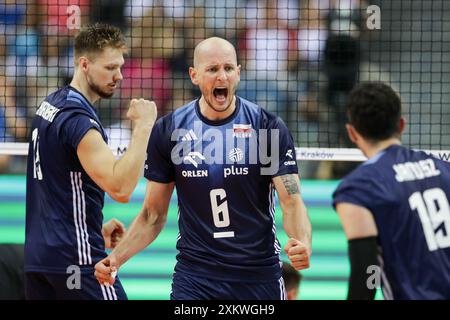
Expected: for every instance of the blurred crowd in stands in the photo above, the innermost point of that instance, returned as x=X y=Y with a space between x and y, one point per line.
x=299 y=58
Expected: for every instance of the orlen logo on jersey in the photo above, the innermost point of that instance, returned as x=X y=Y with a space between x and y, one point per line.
x=290 y=162
x=192 y=158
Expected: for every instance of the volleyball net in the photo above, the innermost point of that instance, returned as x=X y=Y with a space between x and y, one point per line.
x=299 y=59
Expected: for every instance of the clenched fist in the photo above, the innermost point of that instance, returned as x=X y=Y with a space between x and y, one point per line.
x=298 y=253
x=112 y=232
x=142 y=111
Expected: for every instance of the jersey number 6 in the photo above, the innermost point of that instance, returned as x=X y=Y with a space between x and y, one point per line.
x=220 y=212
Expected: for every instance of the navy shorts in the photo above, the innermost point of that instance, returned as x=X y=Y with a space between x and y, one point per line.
x=189 y=287
x=50 y=286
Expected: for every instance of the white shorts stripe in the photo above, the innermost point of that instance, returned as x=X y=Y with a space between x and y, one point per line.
x=104 y=293
x=113 y=291
x=83 y=201
x=108 y=291
x=75 y=219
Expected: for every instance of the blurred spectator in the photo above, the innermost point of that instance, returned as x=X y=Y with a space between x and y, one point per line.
x=311 y=35
x=54 y=15
x=177 y=10
x=267 y=94
x=268 y=51
x=268 y=48
x=148 y=73
x=292 y=279
x=12 y=121
x=225 y=19
x=342 y=59
x=287 y=12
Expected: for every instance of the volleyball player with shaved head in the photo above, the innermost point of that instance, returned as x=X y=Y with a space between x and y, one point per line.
x=214 y=151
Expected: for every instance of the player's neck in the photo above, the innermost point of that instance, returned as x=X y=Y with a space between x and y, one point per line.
x=82 y=86
x=209 y=113
x=372 y=149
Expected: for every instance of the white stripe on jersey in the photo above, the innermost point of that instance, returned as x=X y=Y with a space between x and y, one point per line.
x=178 y=219
x=104 y=293
x=79 y=212
x=282 y=289
x=84 y=221
x=74 y=197
x=79 y=220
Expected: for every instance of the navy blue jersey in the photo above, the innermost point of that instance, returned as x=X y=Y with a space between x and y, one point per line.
x=223 y=177
x=64 y=206
x=407 y=193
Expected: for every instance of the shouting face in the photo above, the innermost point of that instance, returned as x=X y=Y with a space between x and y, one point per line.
x=216 y=73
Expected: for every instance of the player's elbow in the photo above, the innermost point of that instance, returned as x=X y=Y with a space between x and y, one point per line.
x=122 y=197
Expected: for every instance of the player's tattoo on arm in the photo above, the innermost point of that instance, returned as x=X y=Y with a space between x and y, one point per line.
x=290 y=183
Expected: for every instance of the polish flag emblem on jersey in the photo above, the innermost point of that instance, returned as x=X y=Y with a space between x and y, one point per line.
x=242 y=130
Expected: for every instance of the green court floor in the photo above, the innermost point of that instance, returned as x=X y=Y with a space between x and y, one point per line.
x=148 y=275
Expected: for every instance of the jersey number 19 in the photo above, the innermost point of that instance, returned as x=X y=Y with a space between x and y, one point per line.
x=434 y=213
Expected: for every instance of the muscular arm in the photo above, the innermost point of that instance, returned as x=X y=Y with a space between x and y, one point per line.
x=119 y=177
x=148 y=223
x=295 y=220
x=295 y=217
x=116 y=177
x=361 y=232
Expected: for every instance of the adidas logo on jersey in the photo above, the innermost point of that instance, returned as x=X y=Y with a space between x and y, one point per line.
x=190 y=136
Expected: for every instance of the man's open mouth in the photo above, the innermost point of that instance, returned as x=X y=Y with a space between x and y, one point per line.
x=220 y=93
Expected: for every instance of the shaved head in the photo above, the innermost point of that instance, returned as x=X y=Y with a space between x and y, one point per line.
x=217 y=75
x=212 y=45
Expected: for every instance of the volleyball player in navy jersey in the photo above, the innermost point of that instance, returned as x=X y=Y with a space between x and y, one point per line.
x=207 y=149
x=70 y=166
x=394 y=207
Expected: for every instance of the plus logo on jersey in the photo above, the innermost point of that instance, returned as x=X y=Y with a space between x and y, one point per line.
x=235 y=155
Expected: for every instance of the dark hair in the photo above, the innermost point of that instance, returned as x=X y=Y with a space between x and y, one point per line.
x=291 y=276
x=374 y=109
x=95 y=38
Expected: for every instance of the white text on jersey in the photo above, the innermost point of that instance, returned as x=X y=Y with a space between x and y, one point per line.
x=234 y=171
x=410 y=171
x=47 y=111
x=194 y=173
